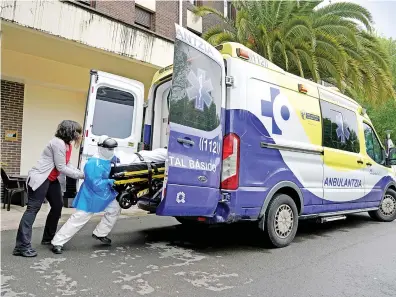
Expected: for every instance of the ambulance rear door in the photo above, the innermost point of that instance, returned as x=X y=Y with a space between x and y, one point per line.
x=114 y=108
x=196 y=128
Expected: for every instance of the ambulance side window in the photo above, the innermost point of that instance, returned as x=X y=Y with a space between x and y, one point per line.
x=113 y=113
x=340 y=128
x=373 y=146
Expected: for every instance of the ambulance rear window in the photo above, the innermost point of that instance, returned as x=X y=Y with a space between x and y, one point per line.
x=113 y=113
x=195 y=99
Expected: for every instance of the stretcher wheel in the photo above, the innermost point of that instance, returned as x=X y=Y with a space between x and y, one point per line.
x=125 y=200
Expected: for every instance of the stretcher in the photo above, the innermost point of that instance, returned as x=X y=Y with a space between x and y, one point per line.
x=138 y=181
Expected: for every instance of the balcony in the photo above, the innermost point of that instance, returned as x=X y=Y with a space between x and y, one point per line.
x=83 y=25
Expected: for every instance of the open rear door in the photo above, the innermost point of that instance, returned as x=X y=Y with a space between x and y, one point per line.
x=114 y=108
x=196 y=124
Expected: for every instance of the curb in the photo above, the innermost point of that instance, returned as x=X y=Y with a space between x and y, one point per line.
x=65 y=217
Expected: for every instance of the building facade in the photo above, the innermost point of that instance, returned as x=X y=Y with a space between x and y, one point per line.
x=48 y=48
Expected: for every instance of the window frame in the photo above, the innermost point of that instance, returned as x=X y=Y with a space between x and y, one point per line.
x=379 y=142
x=339 y=109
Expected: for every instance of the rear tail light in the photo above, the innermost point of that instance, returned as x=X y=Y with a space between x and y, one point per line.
x=230 y=170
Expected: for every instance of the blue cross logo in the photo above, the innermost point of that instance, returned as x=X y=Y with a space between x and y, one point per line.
x=267 y=110
x=342 y=131
x=200 y=89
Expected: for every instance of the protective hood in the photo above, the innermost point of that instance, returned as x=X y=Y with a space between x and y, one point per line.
x=106 y=146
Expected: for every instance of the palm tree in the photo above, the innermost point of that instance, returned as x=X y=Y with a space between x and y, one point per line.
x=389 y=45
x=333 y=43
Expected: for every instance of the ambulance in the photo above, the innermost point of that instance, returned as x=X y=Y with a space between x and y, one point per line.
x=248 y=141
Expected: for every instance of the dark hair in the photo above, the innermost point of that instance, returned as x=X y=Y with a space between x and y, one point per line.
x=68 y=131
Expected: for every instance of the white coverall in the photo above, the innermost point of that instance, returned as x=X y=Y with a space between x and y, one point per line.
x=111 y=213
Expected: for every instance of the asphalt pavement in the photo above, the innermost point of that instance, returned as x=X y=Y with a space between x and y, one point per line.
x=155 y=256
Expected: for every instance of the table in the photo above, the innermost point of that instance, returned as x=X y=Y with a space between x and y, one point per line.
x=19 y=177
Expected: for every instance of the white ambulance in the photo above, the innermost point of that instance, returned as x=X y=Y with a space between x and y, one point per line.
x=247 y=141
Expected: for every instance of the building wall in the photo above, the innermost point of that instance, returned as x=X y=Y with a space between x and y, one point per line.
x=44 y=108
x=12 y=100
x=120 y=10
x=165 y=16
x=58 y=90
x=209 y=21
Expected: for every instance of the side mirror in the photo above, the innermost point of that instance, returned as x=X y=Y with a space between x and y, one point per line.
x=392 y=156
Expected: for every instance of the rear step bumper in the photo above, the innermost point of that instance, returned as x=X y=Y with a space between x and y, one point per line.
x=148 y=204
x=189 y=201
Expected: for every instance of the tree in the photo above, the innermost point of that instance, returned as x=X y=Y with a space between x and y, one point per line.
x=333 y=43
x=389 y=45
x=383 y=115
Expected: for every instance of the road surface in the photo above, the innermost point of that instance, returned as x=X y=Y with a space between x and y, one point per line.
x=153 y=256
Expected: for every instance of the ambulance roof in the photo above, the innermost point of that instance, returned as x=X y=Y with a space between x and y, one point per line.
x=233 y=49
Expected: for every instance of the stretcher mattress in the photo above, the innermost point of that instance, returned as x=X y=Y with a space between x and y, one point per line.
x=136 y=169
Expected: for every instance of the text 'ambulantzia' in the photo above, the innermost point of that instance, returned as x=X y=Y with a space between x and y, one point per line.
x=342 y=182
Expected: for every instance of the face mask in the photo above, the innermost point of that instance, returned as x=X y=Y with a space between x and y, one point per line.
x=105 y=153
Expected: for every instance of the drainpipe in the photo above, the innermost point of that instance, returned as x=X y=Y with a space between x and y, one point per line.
x=181 y=12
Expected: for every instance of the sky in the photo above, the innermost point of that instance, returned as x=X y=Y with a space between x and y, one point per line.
x=383 y=12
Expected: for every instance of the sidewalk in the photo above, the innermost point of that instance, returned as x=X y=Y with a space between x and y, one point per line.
x=10 y=219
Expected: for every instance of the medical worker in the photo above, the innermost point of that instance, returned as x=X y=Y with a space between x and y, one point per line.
x=95 y=195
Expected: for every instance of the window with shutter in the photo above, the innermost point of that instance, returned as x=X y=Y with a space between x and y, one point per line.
x=143 y=17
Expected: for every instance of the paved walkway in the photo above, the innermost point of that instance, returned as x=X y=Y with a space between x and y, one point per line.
x=152 y=256
x=10 y=219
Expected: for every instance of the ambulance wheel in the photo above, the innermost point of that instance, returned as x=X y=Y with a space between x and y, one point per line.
x=387 y=209
x=281 y=220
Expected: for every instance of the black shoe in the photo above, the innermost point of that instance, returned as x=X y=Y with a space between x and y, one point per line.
x=29 y=253
x=57 y=249
x=105 y=240
x=46 y=242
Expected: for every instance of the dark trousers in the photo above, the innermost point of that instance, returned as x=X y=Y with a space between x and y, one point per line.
x=51 y=191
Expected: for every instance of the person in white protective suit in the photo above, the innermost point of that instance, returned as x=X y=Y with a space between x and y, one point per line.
x=97 y=194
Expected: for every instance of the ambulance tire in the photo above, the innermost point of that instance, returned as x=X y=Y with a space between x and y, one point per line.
x=387 y=210
x=281 y=233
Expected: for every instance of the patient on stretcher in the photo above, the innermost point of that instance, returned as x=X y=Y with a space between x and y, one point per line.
x=141 y=178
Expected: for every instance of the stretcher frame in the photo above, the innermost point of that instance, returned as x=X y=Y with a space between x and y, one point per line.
x=132 y=185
